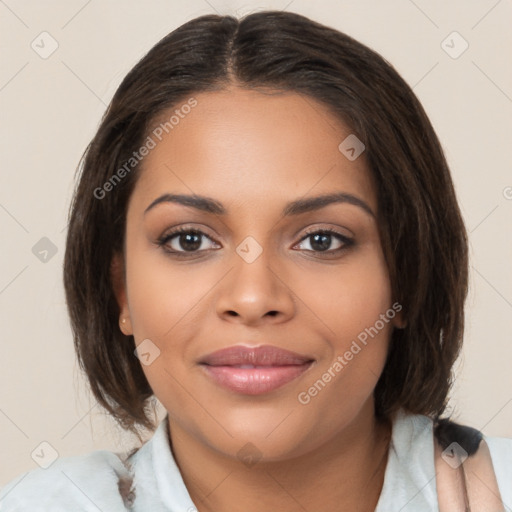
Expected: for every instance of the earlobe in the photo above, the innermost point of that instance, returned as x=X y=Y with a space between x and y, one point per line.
x=119 y=288
x=125 y=325
x=399 y=322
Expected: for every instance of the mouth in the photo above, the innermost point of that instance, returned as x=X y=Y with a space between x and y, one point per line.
x=264 y=355
x=254 y=370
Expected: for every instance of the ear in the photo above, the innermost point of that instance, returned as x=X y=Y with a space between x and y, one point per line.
x=399 y=320
x=119 y=287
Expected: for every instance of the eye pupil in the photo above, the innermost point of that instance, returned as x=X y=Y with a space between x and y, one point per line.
x=190 y=241
x=321 y=241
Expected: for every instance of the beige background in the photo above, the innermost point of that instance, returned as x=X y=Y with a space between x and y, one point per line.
x=51 y=107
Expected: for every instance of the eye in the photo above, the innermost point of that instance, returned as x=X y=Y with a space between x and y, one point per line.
x=320 y=241
x=184 y=240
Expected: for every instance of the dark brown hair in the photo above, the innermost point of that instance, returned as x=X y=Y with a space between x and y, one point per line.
x=421 y=228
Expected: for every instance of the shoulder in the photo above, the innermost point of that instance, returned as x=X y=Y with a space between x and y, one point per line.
x=501 y=455
x=84 y=482
x=500 y=450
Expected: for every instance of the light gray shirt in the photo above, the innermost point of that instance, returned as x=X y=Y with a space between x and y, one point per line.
x=91 y=482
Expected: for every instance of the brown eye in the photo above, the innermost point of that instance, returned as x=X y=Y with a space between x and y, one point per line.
x=184 y=240
x=322 y=241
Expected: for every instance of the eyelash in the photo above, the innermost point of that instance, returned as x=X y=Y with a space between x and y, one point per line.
x=164 y=240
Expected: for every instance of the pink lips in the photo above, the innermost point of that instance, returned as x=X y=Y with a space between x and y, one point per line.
x=254 y=370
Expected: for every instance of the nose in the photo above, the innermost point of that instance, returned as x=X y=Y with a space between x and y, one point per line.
x=256 y=292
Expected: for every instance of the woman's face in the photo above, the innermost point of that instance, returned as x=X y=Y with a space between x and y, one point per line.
x=262 y=272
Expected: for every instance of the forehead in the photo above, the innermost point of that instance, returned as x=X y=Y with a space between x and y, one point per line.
x=248 y=146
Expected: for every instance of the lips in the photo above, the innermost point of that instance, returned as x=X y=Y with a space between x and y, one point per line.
x=254 y=370
x=262 y=356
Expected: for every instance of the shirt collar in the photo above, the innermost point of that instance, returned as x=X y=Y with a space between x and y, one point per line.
x=158 y=482
x=409 y=480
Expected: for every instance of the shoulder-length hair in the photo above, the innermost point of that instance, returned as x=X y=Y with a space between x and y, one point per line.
x=420 y=224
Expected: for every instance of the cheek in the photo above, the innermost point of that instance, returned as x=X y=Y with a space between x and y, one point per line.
x=353 y=307
x=348 y=298
x=168 y=305
x=162 y=295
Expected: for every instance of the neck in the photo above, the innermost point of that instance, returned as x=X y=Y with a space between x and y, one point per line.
x=345 y=473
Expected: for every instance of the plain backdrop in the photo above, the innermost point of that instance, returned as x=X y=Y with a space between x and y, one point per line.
x=50 y=107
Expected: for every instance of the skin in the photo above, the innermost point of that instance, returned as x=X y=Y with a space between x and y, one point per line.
x=254 y=152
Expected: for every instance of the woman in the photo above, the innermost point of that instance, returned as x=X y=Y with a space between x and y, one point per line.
x=265 y=237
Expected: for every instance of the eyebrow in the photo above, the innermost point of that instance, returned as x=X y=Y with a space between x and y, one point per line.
x=209 y=205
